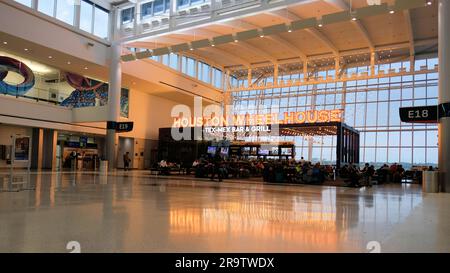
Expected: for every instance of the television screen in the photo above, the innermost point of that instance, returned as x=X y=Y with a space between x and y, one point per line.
x=263 y=152
x=286 y=151
x=234 y=150
x=245 y=150
x=212 y=150
x=274 y=151
x=224 y=151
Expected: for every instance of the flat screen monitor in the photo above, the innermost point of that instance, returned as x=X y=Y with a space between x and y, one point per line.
x=263 y=151
x=234 y=150
x=245 y=150
x=286 y=151
x=274 y=151
x=212 y=150
x=224 y=151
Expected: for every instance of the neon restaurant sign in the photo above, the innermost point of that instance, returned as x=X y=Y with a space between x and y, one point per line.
x=309 y=116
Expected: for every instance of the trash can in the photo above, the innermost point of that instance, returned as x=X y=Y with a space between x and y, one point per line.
x=103 y=166
x=430 y=181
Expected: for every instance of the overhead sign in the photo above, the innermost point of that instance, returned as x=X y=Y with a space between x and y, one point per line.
x=246 y=120
x=419 y=114
x=120 y=127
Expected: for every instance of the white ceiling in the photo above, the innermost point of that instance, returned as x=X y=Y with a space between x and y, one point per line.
x=380 y=31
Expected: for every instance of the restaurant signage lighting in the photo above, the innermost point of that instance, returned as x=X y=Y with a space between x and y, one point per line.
x=309 y=116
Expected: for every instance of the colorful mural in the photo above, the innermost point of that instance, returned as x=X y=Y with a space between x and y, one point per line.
x=87 y=92
x=9 y=64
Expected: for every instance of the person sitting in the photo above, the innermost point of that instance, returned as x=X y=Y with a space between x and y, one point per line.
x=398 y=174
x=317 y=174
x=392 y=171
x=354 y=175
x=343 y=172
x=194 y=167
x=164 y=167
x=217 y=168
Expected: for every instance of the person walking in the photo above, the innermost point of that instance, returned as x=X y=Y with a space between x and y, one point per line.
x=126 y=161
x=217 y=168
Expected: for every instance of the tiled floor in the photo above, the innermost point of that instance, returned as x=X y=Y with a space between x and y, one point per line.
x=134 y=212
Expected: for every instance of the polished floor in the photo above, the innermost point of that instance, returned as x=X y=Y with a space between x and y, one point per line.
x=135 y=212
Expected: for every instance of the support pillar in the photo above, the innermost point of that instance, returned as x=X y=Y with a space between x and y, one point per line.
x=37 y=148
x=412 y=62
x=444 y=93
x=337 y=66
x=115 y=83
x=372 y=63
x=49 y=143
x=249 y=77
x=137 y=17
x=275 y=74
x=305 y=70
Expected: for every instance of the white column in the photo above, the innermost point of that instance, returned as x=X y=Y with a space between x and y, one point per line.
x=115 y=84
x=223 y=79
x=275 y=74
x=34 y=4
x=336 y=66
x=172 y=13
x=77 y=14
x=372 y=63
x=137 y=17
x=305 y=70
x=444 y=93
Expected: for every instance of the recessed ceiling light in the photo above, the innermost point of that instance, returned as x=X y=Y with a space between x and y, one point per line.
x=236 y=41
x=85 y=68
x=290 y=30
x=213 y=45
x=191 y=49
x=429 y=3
x=391 y=12
x=26 y=49
x=5 y=43
x=320 y=25
x=354 y=19
x=68 y=62
x=50 y=57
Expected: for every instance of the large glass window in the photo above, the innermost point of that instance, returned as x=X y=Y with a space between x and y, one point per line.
x=173 y=61
x=191 y=67
x=65 y=11
x=146 y=9
x=127 y=15
x=371 y=106
x=158 y=6
x=217 y=74
x=101 y=23
x=47 y=7
x=25 y=2
x=86 y=11
x=182 y=3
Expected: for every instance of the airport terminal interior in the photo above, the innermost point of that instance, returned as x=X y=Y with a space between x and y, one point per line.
x=225 y=126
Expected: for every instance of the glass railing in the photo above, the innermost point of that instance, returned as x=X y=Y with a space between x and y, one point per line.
x=36 y=94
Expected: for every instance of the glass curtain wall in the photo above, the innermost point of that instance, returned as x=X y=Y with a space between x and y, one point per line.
x=93 y=18
x=370 y=106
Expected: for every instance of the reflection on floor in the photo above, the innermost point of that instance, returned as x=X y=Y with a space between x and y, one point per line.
x=135 y=212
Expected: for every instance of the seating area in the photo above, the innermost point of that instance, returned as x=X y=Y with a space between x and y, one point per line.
x=289 y=172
